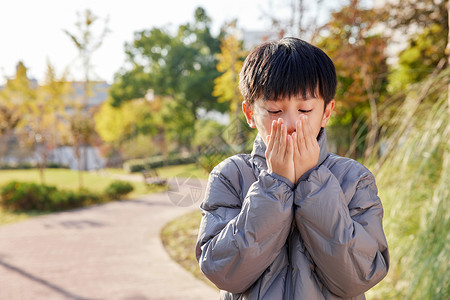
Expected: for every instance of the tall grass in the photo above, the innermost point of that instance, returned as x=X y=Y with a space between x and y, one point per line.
x=413 y=179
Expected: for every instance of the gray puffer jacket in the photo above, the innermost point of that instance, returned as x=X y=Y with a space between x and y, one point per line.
x=261 y=237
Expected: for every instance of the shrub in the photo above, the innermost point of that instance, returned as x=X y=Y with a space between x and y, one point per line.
x=54 y=165
x=208 y=161
x=24 y=196
x=157 y=161
x=16 y=166
x=118 y=189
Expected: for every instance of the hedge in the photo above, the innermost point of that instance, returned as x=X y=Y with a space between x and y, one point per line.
x=25 y=196
x=157 y=161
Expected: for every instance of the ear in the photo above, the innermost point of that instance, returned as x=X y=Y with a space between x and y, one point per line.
x=327 y=112
x=248 y=112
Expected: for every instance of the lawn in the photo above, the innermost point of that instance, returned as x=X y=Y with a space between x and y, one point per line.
x=183 y=171
x=94 y=181
x=179 y=237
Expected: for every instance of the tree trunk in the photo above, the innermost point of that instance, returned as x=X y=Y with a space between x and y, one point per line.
x=80 y=165
x=41 y=173
x=85 y=111
x=42 y=166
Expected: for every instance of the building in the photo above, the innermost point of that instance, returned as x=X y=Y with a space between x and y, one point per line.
x=13 y=154
x=255 y=38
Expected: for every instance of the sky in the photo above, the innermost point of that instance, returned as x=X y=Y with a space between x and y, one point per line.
x=32 y=31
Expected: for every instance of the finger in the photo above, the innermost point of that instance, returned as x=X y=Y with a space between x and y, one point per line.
x=279 y=123
x=294 y=141
x=308 y=132
x=301 y=135
x=283 y=139
x=270 y=138
x=297 y=133
x=289 y=148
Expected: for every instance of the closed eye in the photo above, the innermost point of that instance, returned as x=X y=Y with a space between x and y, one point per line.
x=305 y=111
x=273 y=112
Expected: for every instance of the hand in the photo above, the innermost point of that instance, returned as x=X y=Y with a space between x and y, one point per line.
x=280 y=151
x=306 y=147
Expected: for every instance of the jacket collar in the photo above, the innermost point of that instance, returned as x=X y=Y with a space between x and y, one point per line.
x=258 y=155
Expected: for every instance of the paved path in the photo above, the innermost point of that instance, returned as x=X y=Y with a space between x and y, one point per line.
x=110 y=251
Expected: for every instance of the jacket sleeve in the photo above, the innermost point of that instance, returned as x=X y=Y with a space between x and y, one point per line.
x=239 y=238
x=343 y=233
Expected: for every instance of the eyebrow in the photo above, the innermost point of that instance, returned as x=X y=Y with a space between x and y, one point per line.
x=308 y=98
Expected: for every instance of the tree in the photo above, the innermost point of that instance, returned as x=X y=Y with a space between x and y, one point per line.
x=118 y=124
x=81 y=130
x=416 y=15
x=352 y=41
x=47 y=126
x=19 y=97
x=180 y=66
x=226 y=86
x=230 y=61
x=12 y=96
x=302 y=21
x=86 y=43
x=16 y=92
x=9 y=117
x=425 y=24
x=35 y=113
x=161 y=123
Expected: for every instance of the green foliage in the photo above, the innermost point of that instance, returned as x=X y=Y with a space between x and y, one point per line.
x=176 y=124
x=181 y=65
x=24 y=196
x=209 y=161
x=419 y=59
x=357 y=49
x=230 y=61
x=157 y=161
x=416 y=14
x=138 y=147
x=118 y=189
x=413 y=177
x=15 y=100
x=20 y=166
x=118 y=124
x=176 y=170
x=217 y=142
x=205 y=132
x=26 y=166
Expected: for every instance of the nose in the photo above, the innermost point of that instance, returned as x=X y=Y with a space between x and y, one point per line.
x=289 y=121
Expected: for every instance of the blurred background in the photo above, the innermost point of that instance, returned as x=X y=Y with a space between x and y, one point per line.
x=119 y=87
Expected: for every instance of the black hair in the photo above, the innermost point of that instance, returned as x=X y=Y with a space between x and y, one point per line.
x=287 y=68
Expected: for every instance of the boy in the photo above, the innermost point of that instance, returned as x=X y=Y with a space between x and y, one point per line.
x=290 y=220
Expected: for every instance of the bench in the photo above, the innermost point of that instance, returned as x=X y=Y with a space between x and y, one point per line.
x=151 y=177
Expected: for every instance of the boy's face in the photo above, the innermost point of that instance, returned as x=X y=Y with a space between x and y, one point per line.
x=261 y=114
